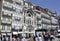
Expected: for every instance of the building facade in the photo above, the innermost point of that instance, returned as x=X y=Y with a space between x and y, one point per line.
x=48 y=18
x=58 y=22
x=11 y=17
x=6 y=18
x=19 y=16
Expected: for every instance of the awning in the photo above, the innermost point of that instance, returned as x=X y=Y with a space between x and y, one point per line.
x=15 y=33
x=25 y=32
x=3 y=33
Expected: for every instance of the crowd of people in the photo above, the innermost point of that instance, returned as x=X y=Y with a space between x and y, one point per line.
x=46 y=36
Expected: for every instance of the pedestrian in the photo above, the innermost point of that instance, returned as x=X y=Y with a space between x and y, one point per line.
x=7 y=38
x=0 y=39
x=14 y=39
x=34 y=37
x=23 y=39
x=51 y=36
x=3 y=38
x=18 y=39
x=39 y=38
x=46 y=36
x=31 y=38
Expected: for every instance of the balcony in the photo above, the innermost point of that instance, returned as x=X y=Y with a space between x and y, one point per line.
x=39 y=16
x=38 y=22
x=6 y=28
x=18 y=15
x=46 y=20
x=53 y=27
x=19 y=7
x=17 y=23
x=45 y=15
x=16 y=26
x=6 y=20
x=39 y=27
x=6 y=12
x=54 y=21
x=18 y=1
x=7 y=4
x=29 y=18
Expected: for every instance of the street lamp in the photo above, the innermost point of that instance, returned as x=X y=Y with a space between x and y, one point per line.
x=0 y=31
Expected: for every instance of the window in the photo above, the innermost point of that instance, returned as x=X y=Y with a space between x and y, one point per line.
x=28 y=22
x=29 y=15
x=24 y=21
x=9 y=1
x=8 y=27
x=3 y=27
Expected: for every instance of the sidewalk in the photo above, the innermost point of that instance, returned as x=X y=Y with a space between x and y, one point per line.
x=56 y=39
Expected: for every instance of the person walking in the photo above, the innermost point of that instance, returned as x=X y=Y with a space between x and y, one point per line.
x=3 y=38
x=46 y=36
x=39 y=38
x=51 y=36
x=31 y=38
x=23 y=39
x=18 y=39
x=14 y=39
x=0 y=39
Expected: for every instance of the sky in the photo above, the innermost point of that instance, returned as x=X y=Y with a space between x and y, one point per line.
x=53 y=5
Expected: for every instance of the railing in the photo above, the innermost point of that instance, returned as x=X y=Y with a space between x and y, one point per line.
x=19 y=1
x=6 y=29
x=17 y=6
x=46 y=20
x=54 y=26
x=6 y=12
x=46 y=15
x=39 y=15
x=6 y=20
x=39 y=22
x=16 y=23
x=54 y=21
x=15 y=15
x=27 y=17
x=7 y=4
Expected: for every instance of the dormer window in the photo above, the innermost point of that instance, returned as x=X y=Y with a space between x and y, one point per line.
x=29 y=15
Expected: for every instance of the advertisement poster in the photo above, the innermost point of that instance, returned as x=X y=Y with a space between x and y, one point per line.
x=38 y=33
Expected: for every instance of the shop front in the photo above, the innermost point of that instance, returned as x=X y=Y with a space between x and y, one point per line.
x=6 y=36
x=40 y=31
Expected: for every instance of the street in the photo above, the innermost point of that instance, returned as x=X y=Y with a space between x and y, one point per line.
x=56 y=39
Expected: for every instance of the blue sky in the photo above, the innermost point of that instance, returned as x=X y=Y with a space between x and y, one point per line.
x=53 y=5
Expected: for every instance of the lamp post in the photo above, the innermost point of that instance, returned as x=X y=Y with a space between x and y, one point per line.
x=0 y=30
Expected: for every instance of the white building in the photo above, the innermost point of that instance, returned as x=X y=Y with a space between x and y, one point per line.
x=11 y=16
x=29 y=19
x=48 y=19
x=6 y=17
x=20 y=16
